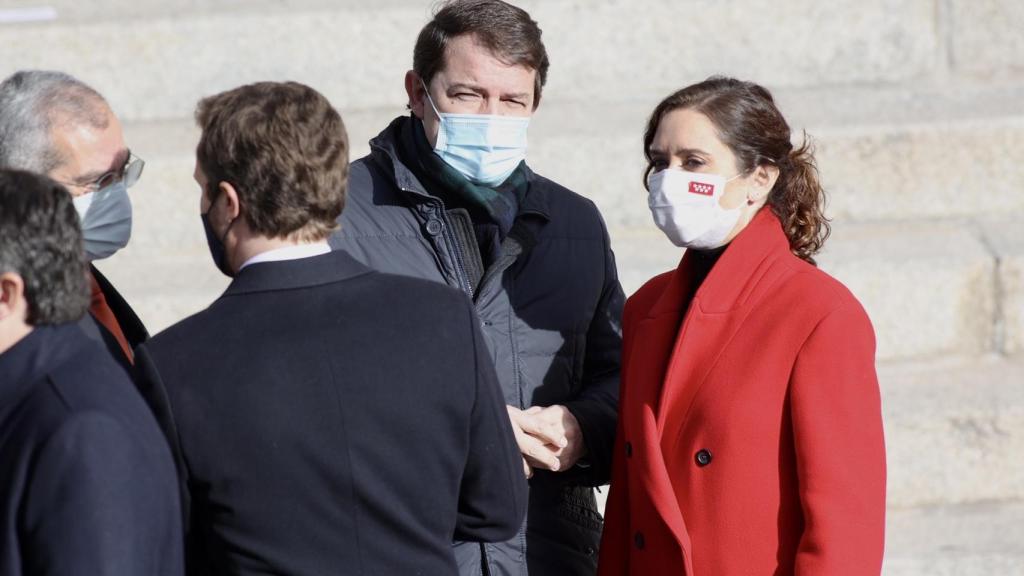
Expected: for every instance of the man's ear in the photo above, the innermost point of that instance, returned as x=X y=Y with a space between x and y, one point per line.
x=231 y=201
x=416 y=92
x=12 y=295
x=764 y=180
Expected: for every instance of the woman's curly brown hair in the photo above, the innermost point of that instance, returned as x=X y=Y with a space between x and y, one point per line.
x=749 y=123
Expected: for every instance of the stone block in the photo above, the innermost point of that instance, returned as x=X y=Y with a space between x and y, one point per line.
x=985 y=37
x=972 y=540
x=1005 y=236
x=159 y=67
x=939 y=169
x=622 y=50
x=954 y=430
x=929 y=287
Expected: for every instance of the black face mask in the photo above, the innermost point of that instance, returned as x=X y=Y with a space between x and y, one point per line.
x=217 y=245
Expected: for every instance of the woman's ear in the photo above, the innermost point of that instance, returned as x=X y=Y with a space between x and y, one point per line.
x=764 y=180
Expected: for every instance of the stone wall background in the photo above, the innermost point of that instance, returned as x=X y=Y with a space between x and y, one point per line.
x=917 y=108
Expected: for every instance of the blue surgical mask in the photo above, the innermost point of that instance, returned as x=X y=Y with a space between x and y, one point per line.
x=485 y=148
x=106 y=219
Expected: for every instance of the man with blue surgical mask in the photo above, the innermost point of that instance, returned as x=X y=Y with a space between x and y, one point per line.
x=446 y=195
x=54 y=124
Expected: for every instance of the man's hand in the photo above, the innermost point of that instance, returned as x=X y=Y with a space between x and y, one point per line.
x=549 y=438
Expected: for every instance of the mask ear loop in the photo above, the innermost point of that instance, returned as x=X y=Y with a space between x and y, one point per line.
x=431 y=100
x=230 y=224
x=442 y=137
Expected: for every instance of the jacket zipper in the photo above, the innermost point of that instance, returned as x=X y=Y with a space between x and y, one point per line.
x=460 y=268
x=453 y=243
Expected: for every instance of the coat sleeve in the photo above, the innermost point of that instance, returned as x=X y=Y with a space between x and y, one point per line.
x=614 y=558
x=596 y=407
x=91 y=506
x=493 y=494
x=840 y=449
x=151 y=386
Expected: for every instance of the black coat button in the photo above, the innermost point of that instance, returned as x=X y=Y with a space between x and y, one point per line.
x=629 y=450
x=434 y=226
x=638 y=539
x=703 y=457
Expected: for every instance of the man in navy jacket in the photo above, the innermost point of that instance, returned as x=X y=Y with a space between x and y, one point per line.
x=326 y=418
x=86 y=480
x=446 y=195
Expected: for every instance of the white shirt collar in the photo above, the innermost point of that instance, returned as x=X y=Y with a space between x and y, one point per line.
x=289 y=253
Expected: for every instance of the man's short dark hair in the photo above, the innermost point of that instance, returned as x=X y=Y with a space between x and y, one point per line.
x=507 y=31
x=285 y=150
x=40 y=240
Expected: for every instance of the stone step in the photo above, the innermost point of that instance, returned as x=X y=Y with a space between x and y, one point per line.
x=154 y=59
x=884 y=154
x=929 y=287
x=985 y=539
x=954 y=430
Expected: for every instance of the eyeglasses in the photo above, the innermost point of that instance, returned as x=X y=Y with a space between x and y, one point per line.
x=129 y=174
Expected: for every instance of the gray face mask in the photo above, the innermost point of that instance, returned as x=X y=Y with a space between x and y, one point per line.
x=106 y=218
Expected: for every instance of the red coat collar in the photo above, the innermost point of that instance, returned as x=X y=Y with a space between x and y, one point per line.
x=734 y=276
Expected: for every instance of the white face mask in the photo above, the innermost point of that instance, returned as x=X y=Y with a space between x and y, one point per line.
x=485 y=148
x=686 y=207
x=106 y=218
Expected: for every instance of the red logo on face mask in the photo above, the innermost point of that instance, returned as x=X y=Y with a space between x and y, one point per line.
x=702 y=188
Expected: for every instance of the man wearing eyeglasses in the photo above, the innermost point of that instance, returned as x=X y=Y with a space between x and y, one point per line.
x=54 y=124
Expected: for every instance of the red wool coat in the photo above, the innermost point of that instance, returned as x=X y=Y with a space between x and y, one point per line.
x=750 y=433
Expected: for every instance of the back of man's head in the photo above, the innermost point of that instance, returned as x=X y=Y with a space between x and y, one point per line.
x=32 y=102
x=40 y=241
x=284 y=148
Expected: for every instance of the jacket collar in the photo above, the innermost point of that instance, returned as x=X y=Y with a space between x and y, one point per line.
x=40 y=352
x=384 y=149
x=734 y=276
x=292 y=274
x=130 y=323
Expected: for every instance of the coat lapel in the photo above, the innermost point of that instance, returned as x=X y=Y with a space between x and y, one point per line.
x=719 y=309
x=649 y=354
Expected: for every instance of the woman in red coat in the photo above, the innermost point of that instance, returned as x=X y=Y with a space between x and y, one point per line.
x=750 y=433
